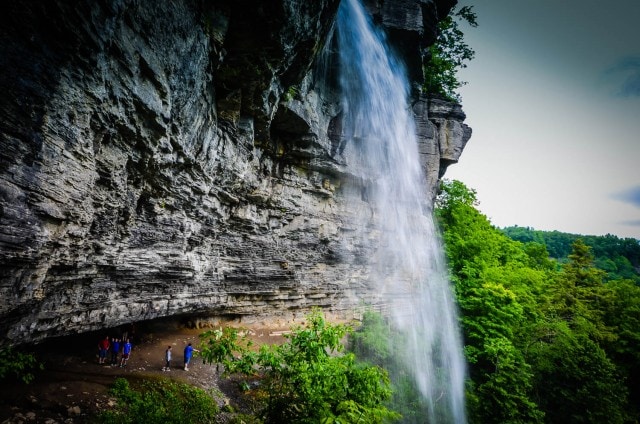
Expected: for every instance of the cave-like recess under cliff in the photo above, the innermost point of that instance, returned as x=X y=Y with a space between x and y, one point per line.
x=182 y=158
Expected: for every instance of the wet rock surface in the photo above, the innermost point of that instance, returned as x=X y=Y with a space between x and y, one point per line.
x=163 y=158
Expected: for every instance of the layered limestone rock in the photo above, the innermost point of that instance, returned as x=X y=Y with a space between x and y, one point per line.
x=163 y=158
x=442 y=135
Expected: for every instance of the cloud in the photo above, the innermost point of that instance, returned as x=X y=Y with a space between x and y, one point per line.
x=626 y=76
x=634 y=223
x=631 y=196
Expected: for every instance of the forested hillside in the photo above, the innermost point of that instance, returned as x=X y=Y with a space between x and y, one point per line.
x=547 y=340
x=618 y=257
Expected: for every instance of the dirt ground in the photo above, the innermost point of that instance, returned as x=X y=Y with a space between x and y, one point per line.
x=73 y=386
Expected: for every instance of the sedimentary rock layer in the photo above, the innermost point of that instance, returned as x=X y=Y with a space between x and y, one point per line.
x=164 y=158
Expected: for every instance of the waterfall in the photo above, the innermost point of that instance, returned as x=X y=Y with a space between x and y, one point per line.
x=409 y=269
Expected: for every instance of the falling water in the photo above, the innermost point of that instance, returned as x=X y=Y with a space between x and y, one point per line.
x=409 y=265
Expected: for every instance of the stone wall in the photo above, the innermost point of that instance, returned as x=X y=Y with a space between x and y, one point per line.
x=163 y=158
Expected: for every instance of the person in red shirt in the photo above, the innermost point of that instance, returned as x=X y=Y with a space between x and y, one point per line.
x=103 y=348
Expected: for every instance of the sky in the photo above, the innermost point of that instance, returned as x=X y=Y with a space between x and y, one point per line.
x=553 y=98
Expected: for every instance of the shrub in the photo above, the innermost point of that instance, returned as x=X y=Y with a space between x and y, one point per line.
x=377 y=342
x=161 y=401
x=21 y=365
x=308 y=379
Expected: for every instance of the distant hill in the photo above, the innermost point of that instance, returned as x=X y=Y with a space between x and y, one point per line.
x=619 y=257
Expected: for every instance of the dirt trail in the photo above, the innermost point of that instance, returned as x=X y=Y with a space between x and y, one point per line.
x=74 y=386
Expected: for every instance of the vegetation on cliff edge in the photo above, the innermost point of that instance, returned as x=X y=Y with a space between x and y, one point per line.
x=448 y=54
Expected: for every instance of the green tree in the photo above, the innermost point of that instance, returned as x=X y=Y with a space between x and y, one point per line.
x=220 y=347
x=575 y=381
x=309 y=379
x=496 y=291
x=448 y=54
x=377 y=342
x=373 y=340
x=493 y=318
x=539 y=256
x=580 y=296
x=546 y=340
x=619 y=258
x=453 y=193
x=624 y=316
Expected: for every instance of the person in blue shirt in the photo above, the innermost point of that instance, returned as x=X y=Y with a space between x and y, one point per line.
x=188 y=354
x=115 y=350
x=126 y=351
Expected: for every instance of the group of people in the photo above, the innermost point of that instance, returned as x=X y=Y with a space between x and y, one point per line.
x=120 y=350
x=188 y=354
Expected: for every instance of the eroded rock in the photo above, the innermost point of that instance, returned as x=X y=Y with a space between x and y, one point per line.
x=166 y=158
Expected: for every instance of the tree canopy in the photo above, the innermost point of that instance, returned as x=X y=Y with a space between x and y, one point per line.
x=618 y=257
x=448 y=54
x=546 y=340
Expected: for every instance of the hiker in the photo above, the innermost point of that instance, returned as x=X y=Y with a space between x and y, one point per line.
x=103 y=348
x=167 y=358
x=115 y=350
x=188 y=354
x=126 y=352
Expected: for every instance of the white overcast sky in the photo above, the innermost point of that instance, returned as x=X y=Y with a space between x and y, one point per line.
x=553 y=98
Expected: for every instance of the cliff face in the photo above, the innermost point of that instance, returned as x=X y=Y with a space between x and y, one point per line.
x=166 y=158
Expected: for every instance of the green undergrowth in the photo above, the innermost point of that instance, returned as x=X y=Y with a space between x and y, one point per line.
x=19 y=365
x=376 y=342
x=307 y=379
x=159 y=401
